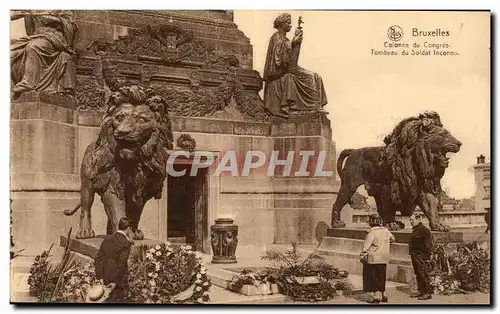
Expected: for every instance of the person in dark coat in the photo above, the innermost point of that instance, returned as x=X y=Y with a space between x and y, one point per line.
x=111 y=262
x=420 y=248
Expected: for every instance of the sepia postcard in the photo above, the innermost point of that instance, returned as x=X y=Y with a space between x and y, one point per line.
x=250 y=157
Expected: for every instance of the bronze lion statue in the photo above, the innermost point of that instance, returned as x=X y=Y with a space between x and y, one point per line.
x=126 y=165
x=401 y=175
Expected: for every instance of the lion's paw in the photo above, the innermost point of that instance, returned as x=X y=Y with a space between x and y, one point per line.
x=85 y=233
x=395 y=225
x=440 y=227
x=137 y=235
x=338 y=223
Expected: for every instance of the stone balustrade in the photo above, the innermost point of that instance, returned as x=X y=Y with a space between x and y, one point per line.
x=455 y=219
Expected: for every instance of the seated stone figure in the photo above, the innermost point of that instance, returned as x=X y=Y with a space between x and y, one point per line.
x=289 y=87
x=43 y=60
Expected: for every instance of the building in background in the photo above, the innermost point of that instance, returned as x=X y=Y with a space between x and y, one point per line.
x=482 y=178
x=448 y=203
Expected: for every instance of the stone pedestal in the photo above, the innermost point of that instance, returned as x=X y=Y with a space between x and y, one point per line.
x=453 y=218
x=86 y=250
x=341 y=248
x=44 y=168
x=401 y=236
x=303 y=201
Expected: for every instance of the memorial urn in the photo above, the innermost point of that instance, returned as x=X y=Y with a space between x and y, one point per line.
x=224 y=239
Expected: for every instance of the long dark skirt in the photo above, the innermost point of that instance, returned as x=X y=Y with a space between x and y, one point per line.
x=374 y=277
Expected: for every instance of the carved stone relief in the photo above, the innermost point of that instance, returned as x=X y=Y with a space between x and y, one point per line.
x=169 y=43
x=175 y=52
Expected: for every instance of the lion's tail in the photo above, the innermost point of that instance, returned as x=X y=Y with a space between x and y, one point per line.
x=70 y=212
x=340 y=161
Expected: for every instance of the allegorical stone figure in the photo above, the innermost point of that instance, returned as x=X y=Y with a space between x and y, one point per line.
x=230 y=243
x=289 y=87
x=43 y=60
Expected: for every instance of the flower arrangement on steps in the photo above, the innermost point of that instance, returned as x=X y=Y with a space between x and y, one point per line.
x=160 y=274
x=461 y=268
x=310 y=279
x=253 y=283
x=163 y=274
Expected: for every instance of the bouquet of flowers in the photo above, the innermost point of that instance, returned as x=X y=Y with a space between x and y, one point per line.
x=76 y=283
x=460 y=268
x=160 y=274
x=247 y=277
x=164 y=274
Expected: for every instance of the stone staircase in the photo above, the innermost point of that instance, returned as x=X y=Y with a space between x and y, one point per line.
x=344 y=254
x=341 y=248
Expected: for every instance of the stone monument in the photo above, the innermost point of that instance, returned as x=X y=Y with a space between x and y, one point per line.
x=200 y=65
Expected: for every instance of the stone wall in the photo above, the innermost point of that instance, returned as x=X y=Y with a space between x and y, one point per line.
x=216 y=29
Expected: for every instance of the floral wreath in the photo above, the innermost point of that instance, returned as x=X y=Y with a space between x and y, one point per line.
x=163 y=282
x=161 y=274
x=185 y=141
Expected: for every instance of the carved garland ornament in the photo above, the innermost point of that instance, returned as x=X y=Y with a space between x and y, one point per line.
x=168 y=42
x=90 y=96
x=187 y=142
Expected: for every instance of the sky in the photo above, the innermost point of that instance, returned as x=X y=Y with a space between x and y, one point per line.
x=369 y=94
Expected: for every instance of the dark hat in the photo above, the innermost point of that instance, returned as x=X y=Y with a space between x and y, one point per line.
x=375 y=219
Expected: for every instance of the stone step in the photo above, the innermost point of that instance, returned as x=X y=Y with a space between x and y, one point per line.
x=19 y=288
x=355 y=256
x=22 y=297
x=19 y=273
x=401 y=236
x=357 y=282
x=400 y=271
x=177 y=240
x=23 y=263
x=399 y=251
x=219 y=295
x=219 y=277
x=90 y=247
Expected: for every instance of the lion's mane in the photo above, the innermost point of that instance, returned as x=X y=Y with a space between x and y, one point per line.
x=409 y=160
x=153 y=154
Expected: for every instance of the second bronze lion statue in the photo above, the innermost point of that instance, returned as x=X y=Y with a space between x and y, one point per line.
x=126 y=165
x=401 y=175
